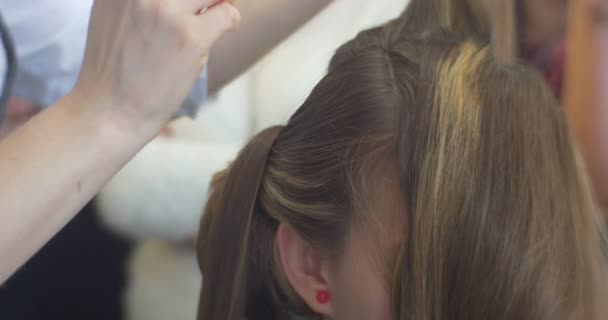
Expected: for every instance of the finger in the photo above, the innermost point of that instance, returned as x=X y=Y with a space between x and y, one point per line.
x=201 y=6
x=216 y=21
x=194 y=6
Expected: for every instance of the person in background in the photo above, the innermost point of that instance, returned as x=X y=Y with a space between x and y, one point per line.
x=79 y=274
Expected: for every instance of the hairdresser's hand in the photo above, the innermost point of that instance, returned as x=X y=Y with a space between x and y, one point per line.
x=143 y=56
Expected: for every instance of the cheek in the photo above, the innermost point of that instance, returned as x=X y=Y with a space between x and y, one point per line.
x=360 y=291
x=361 y=294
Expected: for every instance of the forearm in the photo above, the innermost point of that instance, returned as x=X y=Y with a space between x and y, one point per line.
x=265 y=24
x=586 y=92
x=49 y=169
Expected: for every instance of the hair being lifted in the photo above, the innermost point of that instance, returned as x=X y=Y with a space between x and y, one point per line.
x=498 y=222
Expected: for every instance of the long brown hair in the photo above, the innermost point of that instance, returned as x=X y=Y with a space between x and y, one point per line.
x=499 y=221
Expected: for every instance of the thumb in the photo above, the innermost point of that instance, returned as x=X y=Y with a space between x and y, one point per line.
x=216 y=21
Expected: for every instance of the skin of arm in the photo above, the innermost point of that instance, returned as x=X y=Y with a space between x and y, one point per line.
x=54 y=164
x=265 y=24
x=50 y=172
x=586 y=88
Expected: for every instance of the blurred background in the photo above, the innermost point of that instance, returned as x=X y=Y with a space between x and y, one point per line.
x=130 y=254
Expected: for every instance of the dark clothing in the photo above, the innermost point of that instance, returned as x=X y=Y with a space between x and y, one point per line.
x=79 y=274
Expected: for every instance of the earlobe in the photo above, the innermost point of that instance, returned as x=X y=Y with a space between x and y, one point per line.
x=304 y=269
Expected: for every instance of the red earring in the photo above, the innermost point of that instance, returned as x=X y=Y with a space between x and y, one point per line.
x=323 y=296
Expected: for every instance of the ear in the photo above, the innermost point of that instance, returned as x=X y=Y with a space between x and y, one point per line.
x=304 y=268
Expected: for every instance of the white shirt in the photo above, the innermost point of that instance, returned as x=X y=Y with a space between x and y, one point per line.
x=50 y=39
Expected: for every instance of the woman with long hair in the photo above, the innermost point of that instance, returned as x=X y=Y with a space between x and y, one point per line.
x=423 y=178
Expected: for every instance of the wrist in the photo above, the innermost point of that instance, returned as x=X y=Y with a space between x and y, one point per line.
x=95 y=120
x=113 y=118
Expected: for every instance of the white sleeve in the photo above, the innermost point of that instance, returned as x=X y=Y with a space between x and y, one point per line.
x=50 y=40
